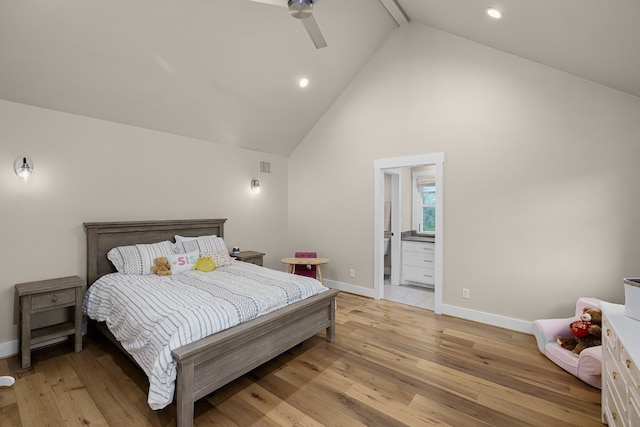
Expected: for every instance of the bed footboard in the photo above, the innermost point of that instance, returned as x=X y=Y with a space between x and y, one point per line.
x=212 y=362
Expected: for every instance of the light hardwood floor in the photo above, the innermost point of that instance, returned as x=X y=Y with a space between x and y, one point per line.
x=391 y=364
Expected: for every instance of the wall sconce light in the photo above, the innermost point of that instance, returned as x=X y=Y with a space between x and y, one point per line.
x=23 y=167
x=255 y=185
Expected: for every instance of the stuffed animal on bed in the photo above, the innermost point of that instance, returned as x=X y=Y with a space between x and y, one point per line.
x=586 y=332
x=205 y=264
x=161 y=266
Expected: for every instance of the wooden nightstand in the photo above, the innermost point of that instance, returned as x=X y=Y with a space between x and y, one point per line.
x=252 y=257
x=45 y=295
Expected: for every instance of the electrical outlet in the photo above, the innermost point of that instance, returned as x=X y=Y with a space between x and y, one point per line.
x=352 y=273
x=465 y=293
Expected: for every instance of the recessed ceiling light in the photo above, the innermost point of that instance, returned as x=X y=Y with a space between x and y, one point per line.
x=303 y=82
x=494 y=13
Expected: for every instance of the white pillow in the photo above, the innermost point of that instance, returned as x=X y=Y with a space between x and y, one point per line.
x=213 y=247
x=138 y=259
x=186 y=239
x=180 y=263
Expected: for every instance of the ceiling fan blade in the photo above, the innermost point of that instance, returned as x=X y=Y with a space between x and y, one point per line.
x=283 y=3
x=314 y=32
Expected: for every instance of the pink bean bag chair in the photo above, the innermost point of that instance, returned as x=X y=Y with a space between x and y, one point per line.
x=588 y=365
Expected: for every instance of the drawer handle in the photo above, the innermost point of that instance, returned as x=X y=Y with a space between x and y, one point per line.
x=614 y=416
x=54 y=298
x=628 y=363
x=614 y=374
x=608 y=332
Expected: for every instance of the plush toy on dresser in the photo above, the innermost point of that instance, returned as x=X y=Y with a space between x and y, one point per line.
x=586 y=332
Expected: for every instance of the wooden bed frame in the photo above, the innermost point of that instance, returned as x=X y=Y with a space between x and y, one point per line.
x=208 y=364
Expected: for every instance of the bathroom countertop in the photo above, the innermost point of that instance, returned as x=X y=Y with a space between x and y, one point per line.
x=415 y=238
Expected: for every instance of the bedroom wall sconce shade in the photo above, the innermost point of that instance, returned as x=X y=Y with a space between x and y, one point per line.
x=255 y=185
x=23 y=167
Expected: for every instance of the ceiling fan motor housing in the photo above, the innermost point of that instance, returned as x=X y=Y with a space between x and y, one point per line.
x=301 y=9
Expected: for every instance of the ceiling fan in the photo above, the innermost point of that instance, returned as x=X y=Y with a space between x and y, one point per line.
x=302 y=10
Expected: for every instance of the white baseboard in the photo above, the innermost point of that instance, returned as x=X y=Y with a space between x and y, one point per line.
x=352 y=289
x=9 y=348
x=449 y=310
x=488 y=318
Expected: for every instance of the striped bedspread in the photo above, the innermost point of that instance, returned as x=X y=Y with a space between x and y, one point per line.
x=152 y=315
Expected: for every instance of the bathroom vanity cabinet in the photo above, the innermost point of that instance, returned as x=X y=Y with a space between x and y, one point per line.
x=418 y=262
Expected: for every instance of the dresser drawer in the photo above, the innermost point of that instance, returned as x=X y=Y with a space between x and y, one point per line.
x=634 y=411
x=611 y=341
x=615 y=417
x=616 y=379
x=55 y=299
x=633 y=374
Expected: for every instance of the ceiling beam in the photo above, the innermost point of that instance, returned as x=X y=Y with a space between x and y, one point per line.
x=395 y=11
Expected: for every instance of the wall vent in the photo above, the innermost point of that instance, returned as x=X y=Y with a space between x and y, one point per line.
x=265 y=167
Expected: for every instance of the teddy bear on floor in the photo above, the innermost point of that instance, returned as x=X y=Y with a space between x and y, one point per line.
x=161 y=266
x=586 y=332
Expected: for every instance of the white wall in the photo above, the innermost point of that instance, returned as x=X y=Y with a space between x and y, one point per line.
x=91 y=170
x=541 y=202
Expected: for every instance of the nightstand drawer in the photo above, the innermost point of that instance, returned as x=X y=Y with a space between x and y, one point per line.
x=51 y=300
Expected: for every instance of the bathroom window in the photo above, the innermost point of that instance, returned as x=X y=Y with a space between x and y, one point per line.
x=424 y=202
x=428 y=220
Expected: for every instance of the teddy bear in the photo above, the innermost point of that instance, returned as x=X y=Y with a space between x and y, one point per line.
x=586 y=332
x=161 y=266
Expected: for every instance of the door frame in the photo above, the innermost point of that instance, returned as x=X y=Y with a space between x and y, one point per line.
x=380 y=165
x=396 y=222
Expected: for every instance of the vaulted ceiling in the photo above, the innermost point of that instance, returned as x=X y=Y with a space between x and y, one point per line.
x=227 y=71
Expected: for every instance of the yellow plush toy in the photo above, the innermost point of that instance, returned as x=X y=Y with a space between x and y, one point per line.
x=161 y=266
x=205 y=264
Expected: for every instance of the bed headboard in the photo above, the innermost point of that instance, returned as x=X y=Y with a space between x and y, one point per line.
x=102 y=236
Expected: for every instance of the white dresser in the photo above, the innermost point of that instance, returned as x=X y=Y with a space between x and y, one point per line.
x=417 y=262
x=620 y=373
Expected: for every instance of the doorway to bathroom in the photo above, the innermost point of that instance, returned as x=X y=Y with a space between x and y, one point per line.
x=398 y=223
